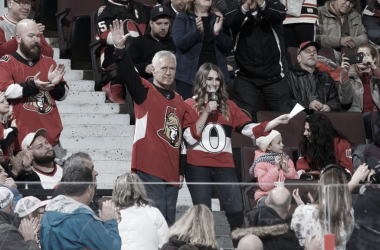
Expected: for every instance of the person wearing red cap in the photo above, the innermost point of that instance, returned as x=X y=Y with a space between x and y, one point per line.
x=313 y=89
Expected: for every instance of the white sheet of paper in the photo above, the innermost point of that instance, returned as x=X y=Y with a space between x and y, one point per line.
x=298 y=108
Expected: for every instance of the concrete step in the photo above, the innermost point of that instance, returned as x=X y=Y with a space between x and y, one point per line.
x=98 y=119
x=66 y=62
x=53 y=42
x=81 y=85
x=85 y=97
x=88 y=142
x=93 y=108
x=105 y=154
x=109 y=167
x=56 y=53
x=97 y=130
x=73 y=75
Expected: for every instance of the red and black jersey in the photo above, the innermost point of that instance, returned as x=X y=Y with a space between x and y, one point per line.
x=33 y=108
x=8 y=43
x=136 y=14
x=214 y=148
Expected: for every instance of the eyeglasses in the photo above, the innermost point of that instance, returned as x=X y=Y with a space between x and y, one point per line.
x=23 y=4
x=307 y=51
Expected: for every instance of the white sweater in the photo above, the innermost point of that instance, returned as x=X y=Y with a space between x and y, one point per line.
x=142 y=227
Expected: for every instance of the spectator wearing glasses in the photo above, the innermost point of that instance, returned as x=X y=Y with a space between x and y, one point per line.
x=313 y=89
x=18 y=10
x=340 y=26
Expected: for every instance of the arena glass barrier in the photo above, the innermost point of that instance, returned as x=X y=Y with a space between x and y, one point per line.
x=314 y=212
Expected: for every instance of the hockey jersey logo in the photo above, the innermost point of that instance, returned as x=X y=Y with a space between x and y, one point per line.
x=172 y=131
x=40 y=103
x=5 y=58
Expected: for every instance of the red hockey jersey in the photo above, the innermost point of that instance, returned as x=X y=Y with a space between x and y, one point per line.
x=158 y=133
x=214 y=148
x=36 y=111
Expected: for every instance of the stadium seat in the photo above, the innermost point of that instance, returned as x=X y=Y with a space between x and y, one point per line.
x=350 y=124
x=291 y=132
x=75 y=14
x=45 y=13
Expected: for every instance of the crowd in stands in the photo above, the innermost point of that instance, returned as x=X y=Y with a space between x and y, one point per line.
x=187 y=133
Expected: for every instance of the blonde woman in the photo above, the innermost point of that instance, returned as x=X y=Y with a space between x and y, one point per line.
x=199 y=38
x=334 y=198
x=196 y=227
x=142 y=226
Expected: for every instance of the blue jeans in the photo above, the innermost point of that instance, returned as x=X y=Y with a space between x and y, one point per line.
x=229 y=195
x=163 y=195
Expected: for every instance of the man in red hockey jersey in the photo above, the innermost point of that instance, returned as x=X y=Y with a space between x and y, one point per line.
x=32 y=83
x=17 y=11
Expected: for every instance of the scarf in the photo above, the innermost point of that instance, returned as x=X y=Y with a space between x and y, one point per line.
x=269 y=157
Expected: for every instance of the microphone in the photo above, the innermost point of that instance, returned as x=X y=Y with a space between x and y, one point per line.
x=212 y=97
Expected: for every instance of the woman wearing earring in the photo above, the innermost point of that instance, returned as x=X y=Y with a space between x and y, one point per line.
x=210 y=158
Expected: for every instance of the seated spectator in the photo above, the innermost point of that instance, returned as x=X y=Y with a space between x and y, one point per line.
x=142 y=226
x=136 y=17
x=39 y=157
x=143 y=48
x=10 y=133
x=309 y=220
x=374 y=148
x=196 y=227
x=17 y=11
x=313 y=89
x=10 y=184
x=371 y=21
x=199 y=38
x=32 y=84
x=321 y=145
x=250 y=242
x=271 y=165
x=31 y=207
x=14 y=233
x=76 y=159
x=367 y=212
x=271 y=223
x=360 y=86
x=340 y=26
x=69 y=223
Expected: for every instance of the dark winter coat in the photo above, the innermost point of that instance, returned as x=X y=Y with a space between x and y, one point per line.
x=10 y=237
x=326 y=91
x=175 y=244
x=273 y=231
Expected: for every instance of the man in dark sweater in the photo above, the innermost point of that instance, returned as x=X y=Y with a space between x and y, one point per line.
x=144 y=47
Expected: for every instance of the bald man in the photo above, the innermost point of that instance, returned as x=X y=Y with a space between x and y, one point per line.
x=250 y=242
x=271 y=223
x=32 y=83
x=18 y=10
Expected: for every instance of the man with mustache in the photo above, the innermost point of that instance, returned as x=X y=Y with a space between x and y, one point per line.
x=18 y=10
x=39 y=158
x=313 y=89
x=26 y=74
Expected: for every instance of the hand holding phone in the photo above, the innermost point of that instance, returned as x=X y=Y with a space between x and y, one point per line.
x=355 y=58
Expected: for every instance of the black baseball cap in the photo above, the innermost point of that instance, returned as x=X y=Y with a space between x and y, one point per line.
x=159 y=11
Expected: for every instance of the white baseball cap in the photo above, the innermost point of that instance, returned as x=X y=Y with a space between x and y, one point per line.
x=29 y=138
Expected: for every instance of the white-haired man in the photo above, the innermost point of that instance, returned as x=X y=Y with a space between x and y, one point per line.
x=160 y=116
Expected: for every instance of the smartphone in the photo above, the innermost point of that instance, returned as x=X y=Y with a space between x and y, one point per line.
x=355 y=58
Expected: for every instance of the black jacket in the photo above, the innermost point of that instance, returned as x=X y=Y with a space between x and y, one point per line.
x=273 y=231
x=260 y=50
x=175 y=244
x=371 y=21
x=143 y=49
x=10 y=236
x=299 y=85
x=366 y=234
